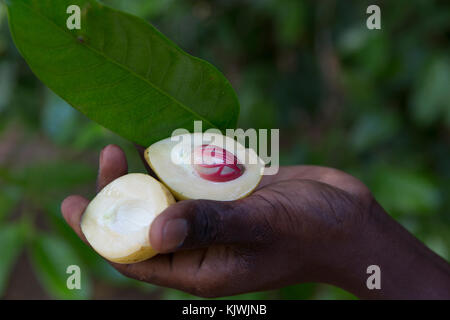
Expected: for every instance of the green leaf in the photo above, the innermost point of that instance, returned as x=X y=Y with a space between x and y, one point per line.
x=289 y=20
x=172 y=294
x=431 y=99
x=437 y=244
x=44 y=177
x=9 y=198
x=11 y=242
x=120 y=71
x=303 y=291
x=59 y=120
x=51 y=256
x=328 y=292
x=405 y=192
x=373 y=128
x=7 y=82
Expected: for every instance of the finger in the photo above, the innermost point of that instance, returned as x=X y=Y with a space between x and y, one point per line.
x=193 y=224
x=72 y=209
x=156 y=270
x=112 y=165
x=333 y=177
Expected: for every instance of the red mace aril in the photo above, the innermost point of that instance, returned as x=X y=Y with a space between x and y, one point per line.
x=215 y=164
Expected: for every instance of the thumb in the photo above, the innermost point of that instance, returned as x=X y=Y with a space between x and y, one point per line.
x=192 y=224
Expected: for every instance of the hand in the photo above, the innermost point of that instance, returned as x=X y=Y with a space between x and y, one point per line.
x=306 y=224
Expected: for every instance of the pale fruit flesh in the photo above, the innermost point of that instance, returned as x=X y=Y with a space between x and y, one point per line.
x=179 y=164
x=117 y=221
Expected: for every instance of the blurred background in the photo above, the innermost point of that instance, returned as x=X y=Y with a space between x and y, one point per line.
x=373 y=103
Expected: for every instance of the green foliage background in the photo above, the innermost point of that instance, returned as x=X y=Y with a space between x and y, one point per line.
x=373 y=103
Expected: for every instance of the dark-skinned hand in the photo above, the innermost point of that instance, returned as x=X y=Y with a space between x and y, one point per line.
x=305 y=224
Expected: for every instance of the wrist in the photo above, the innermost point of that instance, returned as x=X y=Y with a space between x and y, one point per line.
x=407 y=268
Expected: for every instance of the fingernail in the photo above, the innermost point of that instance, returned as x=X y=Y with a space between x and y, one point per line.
x=174 y=234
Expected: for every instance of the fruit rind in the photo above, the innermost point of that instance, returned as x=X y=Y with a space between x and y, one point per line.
x=181 y=180
x=143 y=254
